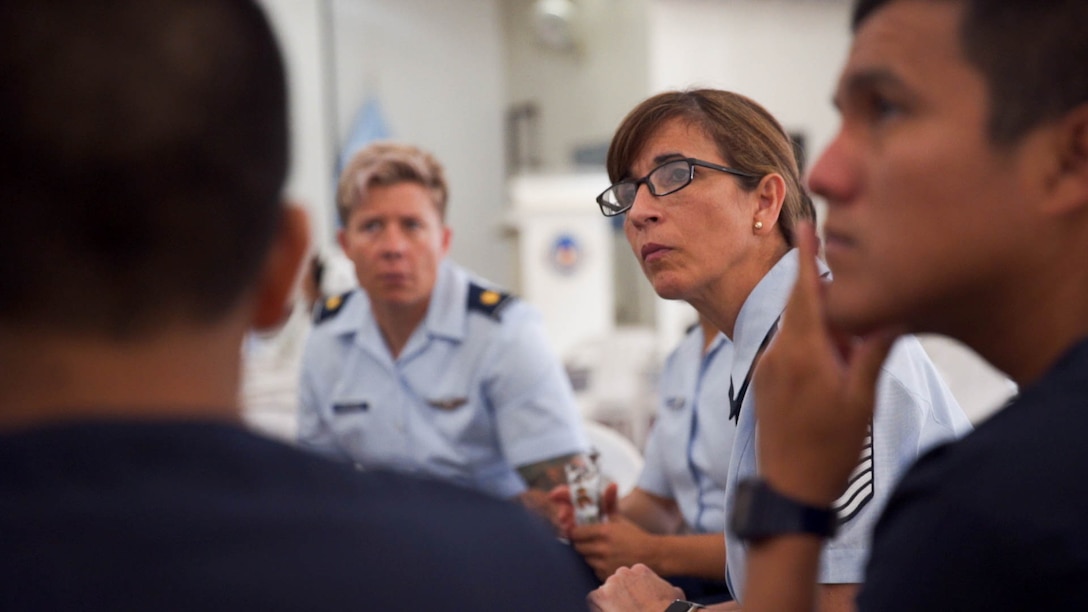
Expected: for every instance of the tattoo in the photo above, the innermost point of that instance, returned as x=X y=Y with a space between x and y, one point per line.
x=548 y=474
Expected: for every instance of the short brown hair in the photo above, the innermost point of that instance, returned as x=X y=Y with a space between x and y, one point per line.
x=1031 y=53
x=749 y=139
x=390 y=163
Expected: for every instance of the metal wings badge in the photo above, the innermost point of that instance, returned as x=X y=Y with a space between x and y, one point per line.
x=449 y=403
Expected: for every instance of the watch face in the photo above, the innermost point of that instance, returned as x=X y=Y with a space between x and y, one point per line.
x=760 y=512
x=682 y=606
x=742 y=520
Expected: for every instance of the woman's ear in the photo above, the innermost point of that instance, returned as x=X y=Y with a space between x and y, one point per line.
x=447 y=238
x=770 y=193
x=282 y=267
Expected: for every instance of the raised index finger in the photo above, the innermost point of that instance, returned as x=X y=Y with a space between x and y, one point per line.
x=804 y=310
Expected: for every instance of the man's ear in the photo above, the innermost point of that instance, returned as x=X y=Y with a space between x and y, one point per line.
x=1069 y=185
x=282 y=267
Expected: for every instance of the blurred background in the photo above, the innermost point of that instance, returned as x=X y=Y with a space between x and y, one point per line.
x=519 y=99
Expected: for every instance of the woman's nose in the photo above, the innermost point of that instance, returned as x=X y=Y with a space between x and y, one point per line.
x=645 y=207
x=393 y=242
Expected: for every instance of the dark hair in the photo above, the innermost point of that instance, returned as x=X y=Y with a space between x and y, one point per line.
x=748 y=138
x=145 y=147
x=387 y=163
x=1031 y=53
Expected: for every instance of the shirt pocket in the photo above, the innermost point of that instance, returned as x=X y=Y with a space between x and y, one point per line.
x=365 y=431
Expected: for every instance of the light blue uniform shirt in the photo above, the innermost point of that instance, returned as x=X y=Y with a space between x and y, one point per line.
x=914 y=411
x=476 y=392
x=687 y=453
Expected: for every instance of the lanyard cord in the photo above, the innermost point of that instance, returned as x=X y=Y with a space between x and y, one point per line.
x=736 y=402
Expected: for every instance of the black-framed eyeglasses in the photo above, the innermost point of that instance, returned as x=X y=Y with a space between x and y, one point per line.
x=669 y=177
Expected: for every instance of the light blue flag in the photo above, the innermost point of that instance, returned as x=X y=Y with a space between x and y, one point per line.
x=368 y=126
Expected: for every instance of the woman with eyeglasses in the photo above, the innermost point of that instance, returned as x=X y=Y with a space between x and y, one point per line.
x=710 y=190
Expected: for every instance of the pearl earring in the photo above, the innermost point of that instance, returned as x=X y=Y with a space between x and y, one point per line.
x=759 y=225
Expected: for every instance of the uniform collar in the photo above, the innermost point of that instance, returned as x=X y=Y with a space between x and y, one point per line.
x=715 y=343
x=446 y=311
x=761 y=310
x=356 y=308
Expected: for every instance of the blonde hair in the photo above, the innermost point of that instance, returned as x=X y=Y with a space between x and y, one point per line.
x=389 y=163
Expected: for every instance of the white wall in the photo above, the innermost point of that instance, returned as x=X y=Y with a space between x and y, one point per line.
x=785 y=54
x=298 y=24
x=584 y=94
x=437 y=69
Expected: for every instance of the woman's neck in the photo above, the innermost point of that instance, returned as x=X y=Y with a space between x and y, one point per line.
x=721 y=301
x=397 y=323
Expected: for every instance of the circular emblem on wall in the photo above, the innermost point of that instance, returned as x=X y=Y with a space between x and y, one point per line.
x=565 y=254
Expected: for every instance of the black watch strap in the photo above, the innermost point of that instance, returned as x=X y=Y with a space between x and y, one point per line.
x=683 y=606
x=760 y=512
